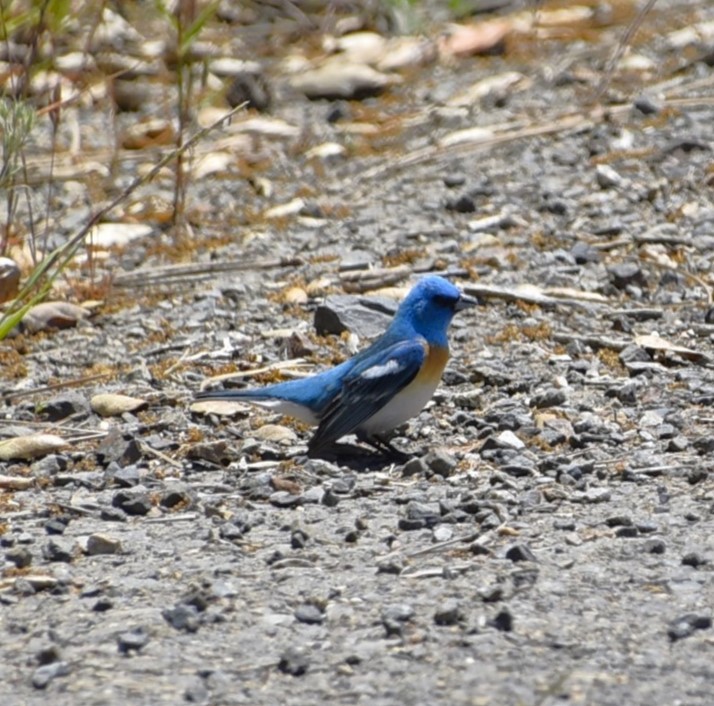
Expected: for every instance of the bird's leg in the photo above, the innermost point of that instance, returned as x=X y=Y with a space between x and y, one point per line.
x=382 y=445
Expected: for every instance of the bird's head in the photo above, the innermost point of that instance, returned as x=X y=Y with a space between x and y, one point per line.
x=430 y=306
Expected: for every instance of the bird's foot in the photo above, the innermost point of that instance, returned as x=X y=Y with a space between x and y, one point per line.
x=384 y=446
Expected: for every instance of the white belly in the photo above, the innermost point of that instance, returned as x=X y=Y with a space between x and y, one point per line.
x=402 y=407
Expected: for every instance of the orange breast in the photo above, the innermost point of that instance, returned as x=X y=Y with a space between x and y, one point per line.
x=433 y=367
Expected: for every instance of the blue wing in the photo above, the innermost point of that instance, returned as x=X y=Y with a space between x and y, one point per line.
x=368 y=387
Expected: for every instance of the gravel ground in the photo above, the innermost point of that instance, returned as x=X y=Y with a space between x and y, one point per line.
x=551 y=540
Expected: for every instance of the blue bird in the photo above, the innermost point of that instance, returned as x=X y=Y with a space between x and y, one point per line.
x=382 y=386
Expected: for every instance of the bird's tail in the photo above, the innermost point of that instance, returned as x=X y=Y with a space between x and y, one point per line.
x=248 y=394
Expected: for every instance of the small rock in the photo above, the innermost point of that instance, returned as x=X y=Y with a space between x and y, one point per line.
x=113 y=405
x=428 y=513
x=65 y=405
x=520 y=552
x=364 y=317
x=294 y=661
x=461 y=204
x=592 y=496
x=694 y=559
x=102 y=544
x=443 y=533
x=43 y=675
x=20 y=556
x=182 y=617
x=133 y=501
x=53 y=315
x=285 y=499
x=448 y=614
x=132 y=640
x=507 y=439
x=115 y=448
x=395 y=616
x=59 y=550
x=625 y=274
x=685 y=626
x=113 y=514
x=177 y=495
x=341 y=79
x=654 y=546
x=309 y=613
x=503 y=621
x=394 y=565
x=647 y=105
x=607 y=177
x=124 y=477
x=549 y=398
x=678 y=444
x=276 y=434
x=57 y=525
x=330 y=498
x=414 y=467
x=440 y=462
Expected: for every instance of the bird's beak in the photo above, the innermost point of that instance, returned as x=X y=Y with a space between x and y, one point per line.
x=466 y=302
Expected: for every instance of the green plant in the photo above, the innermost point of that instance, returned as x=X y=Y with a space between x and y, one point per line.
x=17 y=119
x=187 y=23
x=38 y=285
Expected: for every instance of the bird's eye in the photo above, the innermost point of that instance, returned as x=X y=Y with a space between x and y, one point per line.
x=443 y=300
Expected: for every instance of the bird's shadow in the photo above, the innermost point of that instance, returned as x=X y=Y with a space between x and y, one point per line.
x=359 y=458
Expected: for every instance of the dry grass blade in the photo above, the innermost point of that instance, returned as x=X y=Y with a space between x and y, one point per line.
x=169 y=274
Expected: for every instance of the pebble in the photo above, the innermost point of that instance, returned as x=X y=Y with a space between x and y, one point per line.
x=330 y=498
x=285 y=499
x=503 y=620
x=654 y=546
x=440 y=462
x=394 y=565
x=520 y=552
x=339 y=313
x=183 y=617
x=115 y=448
x=694 y=559
x=132 y=640
x=60 y=550
x=124 y=476
x=177 y=495
x=449 y=613
x=309 y=613
x=415 y=467
x=294 y=661
x=113 y=514
x=442 y=533
x=625 y=274
x=592 y=496
x=549 y=398
x=68 y=404
x=395 y=616
x=20 y=556
x=102 y=544
x=57 y=525
x=509 y=440
x=43 y=675
x=687 y=625
x=428 y=513
x=133 y=501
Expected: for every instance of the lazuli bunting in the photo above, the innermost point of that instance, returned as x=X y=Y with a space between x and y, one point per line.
x=382 y=386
